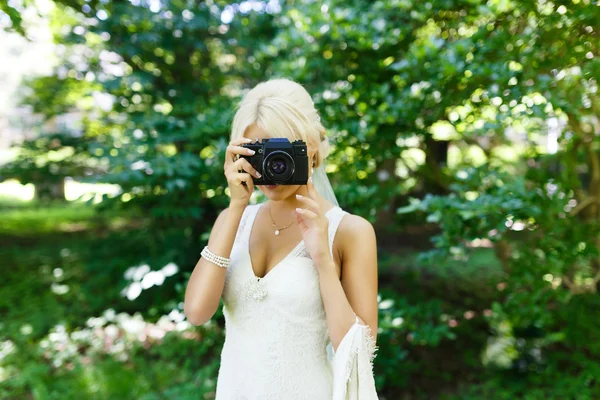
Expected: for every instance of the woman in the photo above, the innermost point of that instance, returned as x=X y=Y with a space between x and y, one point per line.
x=295 y=272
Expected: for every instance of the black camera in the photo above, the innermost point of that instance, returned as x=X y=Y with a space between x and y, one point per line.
x=279 y=161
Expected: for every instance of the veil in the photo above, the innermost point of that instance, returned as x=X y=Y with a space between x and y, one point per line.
x=322 y=184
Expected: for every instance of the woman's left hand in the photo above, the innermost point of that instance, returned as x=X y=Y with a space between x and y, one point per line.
x=314 y=226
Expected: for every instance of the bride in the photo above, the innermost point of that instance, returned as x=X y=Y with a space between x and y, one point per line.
x=297 y=273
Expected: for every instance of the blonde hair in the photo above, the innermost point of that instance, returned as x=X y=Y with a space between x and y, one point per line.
x=282 y=108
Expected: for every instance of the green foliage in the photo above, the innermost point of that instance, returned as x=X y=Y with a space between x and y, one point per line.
x=54 y=97
x=47 y=160
x=57 y=338
x=14 y=16
x=173 y=366
x=548 y=253
x=449 y=102
x=433 y=322
x=402 y=326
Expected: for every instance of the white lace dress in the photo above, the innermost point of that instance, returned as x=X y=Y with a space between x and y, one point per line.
x=276 y=331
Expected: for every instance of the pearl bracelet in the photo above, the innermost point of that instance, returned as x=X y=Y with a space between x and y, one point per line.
x=222 y=262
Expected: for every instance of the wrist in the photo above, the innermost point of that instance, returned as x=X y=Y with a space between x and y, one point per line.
x=237 y=205
x=325 y=264
x=327 y=273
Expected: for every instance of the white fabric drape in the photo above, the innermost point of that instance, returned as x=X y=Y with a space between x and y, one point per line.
x=322 y=184
x=353 y=365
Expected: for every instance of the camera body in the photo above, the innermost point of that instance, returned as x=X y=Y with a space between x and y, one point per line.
x=279 y=161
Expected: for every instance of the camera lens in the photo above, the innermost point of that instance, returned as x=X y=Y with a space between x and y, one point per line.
x=279 y=166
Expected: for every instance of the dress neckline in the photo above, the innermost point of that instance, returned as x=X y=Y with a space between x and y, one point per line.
x=288 y=255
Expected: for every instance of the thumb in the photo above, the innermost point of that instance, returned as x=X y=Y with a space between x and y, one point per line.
x=249 y=186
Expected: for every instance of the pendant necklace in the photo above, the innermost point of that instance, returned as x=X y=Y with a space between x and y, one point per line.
x=255 y=287
x=278 y=229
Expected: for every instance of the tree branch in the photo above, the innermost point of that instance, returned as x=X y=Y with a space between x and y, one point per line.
x=583 y=204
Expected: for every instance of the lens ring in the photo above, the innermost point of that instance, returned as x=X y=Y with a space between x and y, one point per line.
x=286 y=171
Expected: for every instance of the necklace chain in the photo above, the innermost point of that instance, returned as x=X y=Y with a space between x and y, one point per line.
x=278 y=229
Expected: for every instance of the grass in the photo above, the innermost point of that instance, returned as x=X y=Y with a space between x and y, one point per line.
x=23 y=216
x=30 y=219
x=45 y=245
x=35 y=219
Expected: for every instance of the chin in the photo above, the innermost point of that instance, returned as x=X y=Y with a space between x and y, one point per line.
x=278 y=192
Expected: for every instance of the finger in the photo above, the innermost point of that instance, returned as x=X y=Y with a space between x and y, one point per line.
x=250 y=186
x=301 y=222
x=240 y=141
x=307 y=214
x=243 y=164
x=239 y=177
x=312 y=193
x=310 y=203
x=235 y=143
x=232 y=150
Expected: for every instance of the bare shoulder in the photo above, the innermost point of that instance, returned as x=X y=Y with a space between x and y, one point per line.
x=355 y=230
x=357 y=249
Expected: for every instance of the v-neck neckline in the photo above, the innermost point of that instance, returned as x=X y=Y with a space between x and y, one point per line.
x=292 y=251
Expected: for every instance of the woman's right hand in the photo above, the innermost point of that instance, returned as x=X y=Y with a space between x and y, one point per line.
x=240 y=194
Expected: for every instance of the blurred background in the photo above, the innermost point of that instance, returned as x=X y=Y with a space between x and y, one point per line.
x=466 y=131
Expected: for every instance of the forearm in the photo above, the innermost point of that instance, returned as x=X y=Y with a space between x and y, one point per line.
x=205 y=286
x=339 y=312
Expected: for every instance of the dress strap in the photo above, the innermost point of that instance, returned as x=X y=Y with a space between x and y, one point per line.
x=335 y=216
x=243 y=232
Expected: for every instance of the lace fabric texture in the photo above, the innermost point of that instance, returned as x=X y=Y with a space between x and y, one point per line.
x=275 y=348
x=276 y=345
